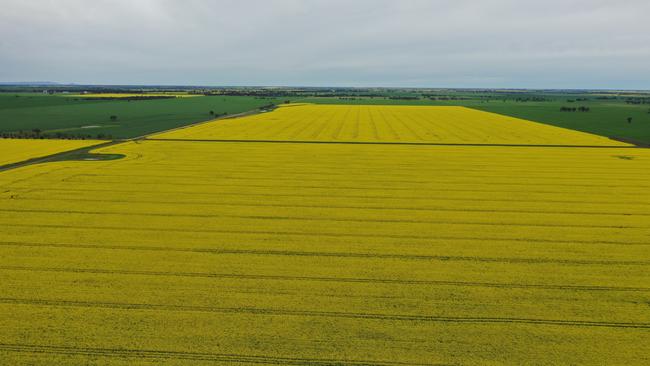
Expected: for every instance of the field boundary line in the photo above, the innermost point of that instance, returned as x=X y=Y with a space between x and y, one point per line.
x=403 y=198
x=296 y=253
x=63 y=155
x=55 y=157
x=630 y=141
x=633 y=142
x=194 y=356
x=391 y=143
x=327 y=279
x=602 y=181
x=313 y=184
x=369 y=208
x=224 y=117
x=323 y=314
x=324 y=219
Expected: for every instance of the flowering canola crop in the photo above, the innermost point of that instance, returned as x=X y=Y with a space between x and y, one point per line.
x=17 y=150
x=208 y=252
x=359 y=123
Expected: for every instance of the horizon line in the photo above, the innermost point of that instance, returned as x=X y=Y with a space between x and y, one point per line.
x=68 y=84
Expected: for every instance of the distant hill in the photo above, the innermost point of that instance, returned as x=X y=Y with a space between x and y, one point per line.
x=29 y=83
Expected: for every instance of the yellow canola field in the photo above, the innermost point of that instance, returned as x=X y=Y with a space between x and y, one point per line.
x=327 y=254
x=363 y=123
x=17 y=150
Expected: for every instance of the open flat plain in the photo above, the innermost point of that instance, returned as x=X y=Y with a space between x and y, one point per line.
x=18 y=150
x=197 y=250
x=387 y=123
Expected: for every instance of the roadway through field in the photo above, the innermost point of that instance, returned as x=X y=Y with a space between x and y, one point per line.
x=393 y=143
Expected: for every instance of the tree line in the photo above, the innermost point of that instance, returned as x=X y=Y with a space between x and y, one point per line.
x=574 y=109
x=39 y=135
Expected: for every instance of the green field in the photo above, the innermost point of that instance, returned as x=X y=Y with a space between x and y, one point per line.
x=605 y=118
x=74 y=116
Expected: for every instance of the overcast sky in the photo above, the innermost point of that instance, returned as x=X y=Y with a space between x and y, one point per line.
x=416 y=43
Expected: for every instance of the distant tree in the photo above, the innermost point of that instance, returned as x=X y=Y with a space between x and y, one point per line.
x=36 y=131
x=113 y=118
x=212 y=113
x=629 y=119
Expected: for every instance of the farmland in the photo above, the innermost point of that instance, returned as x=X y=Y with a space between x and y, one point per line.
x=451 y=125
x=607 y=114
x=75 y=114
x=17 y=150
x=130 y=95
x=196 y=249
x=70 y=116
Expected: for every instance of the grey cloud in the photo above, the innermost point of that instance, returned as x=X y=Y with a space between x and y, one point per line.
x=436 y=43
